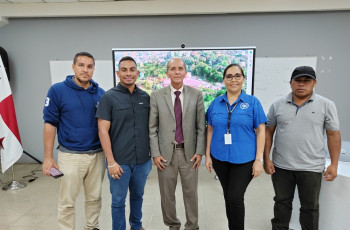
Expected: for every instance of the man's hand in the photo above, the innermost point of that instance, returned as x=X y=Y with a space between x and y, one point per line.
x=158 y=161
x=331 y=173
x=197 y=160
x=49 y=139
x=269 y=167
x=115 y=171
x=47 y=165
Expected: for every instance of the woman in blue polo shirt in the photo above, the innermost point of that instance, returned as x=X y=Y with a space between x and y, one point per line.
x=235 y=142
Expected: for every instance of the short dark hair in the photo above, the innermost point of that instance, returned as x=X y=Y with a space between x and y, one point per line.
x=127 y=58
x=83 y=54
x=231 y=65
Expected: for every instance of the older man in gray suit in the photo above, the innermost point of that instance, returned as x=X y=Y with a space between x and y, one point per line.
x=177 y=139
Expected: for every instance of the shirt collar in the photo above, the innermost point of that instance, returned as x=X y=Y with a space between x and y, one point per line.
x=124 y=89
x=172 y=89
x=289 y=98
x=242 y=97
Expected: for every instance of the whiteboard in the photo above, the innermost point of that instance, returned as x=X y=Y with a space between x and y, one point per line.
x=272 y=76
x=103 y=73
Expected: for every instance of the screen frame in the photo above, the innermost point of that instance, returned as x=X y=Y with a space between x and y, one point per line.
x=187 y=49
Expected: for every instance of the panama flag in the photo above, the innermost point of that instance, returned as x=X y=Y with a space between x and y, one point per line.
x=10 y=141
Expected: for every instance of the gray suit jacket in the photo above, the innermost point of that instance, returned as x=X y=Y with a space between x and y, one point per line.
x=162 y=124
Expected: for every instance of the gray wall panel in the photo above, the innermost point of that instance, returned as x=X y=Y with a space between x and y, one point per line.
x=32 y=43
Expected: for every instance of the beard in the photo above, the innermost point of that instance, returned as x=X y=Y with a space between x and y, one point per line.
x=81 y=81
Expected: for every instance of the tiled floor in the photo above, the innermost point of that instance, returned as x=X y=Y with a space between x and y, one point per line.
x=35 y=206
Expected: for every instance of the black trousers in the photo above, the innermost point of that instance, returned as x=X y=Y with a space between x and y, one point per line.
x=309 y=186
x=234 y=179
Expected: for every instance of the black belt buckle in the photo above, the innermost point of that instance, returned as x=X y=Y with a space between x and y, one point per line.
x=179 y=146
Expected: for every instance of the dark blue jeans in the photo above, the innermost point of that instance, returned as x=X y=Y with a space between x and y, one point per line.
x=234 y=179
x=134 y=178
x=309 y=185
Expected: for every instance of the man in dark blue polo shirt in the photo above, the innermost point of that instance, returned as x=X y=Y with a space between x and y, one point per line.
x=122 y=115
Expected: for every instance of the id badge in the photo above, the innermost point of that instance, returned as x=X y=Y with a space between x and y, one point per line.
x=228 y=140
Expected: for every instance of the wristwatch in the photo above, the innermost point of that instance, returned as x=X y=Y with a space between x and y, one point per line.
x=260 y=159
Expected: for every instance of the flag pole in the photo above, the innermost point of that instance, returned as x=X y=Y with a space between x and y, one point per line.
x=14 y=185
x=10 y=141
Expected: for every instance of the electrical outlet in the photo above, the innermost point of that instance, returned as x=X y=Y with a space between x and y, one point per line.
x=342 y=151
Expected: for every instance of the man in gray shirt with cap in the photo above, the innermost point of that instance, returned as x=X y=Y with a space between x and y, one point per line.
x=300 y=120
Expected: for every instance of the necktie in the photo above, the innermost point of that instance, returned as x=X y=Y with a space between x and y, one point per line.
x=178 y=117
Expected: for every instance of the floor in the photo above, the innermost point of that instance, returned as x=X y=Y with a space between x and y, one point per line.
x=35 y=206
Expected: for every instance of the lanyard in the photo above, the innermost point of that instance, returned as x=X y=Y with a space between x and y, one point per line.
x=229 y=116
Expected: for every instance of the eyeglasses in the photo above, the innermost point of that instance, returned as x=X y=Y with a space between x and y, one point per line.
x=237 y=76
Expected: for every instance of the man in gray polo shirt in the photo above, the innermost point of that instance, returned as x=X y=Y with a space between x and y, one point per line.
x=300 y=120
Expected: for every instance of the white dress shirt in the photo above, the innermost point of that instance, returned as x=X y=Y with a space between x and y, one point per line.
x=173 y=96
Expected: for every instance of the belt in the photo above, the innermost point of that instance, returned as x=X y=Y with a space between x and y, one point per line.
x=179 y=146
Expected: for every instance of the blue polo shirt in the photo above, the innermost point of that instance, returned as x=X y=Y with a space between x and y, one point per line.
x=245 y=118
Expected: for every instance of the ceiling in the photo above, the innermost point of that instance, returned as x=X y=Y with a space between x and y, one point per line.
x=51 y=1
x=99 y=8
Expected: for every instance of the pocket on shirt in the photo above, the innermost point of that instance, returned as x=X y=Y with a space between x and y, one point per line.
x=218 y=114
x=121 y=111
x=244 y=117
x=318 y=118
x=142 y=110
x=142 y=106
x=122 y=106
x=245 y=114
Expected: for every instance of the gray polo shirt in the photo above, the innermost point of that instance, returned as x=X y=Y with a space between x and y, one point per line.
x=300 y=132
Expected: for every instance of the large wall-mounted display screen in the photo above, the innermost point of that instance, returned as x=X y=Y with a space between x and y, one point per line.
x=205 y=67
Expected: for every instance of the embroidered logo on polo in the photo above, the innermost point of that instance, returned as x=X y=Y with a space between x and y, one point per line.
x=244 y=105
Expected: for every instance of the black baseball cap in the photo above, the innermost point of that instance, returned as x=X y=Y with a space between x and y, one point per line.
x=301 y=71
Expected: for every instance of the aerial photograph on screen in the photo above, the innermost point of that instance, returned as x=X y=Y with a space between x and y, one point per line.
x=205 y=68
